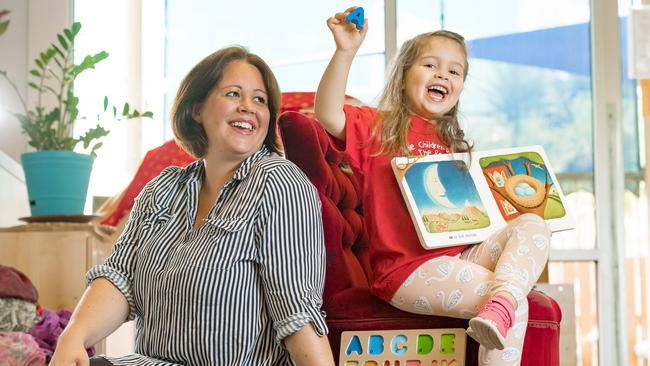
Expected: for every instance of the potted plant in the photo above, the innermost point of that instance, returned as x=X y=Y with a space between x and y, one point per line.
x=57 y=176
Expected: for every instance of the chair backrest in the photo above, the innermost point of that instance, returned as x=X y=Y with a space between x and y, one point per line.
x=307 y=145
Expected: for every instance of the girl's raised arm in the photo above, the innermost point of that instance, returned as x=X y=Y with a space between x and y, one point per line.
x=330 y=95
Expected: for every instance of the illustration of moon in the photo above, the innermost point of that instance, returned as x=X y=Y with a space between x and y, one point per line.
x=434 y=187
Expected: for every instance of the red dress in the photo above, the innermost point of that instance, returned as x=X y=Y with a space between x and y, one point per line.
x=395 y=250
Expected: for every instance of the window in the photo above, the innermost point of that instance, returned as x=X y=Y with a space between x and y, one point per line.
x=113 y=167
x=298 y=61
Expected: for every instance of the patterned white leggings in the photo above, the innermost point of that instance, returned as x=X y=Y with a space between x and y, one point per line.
x=510 y=260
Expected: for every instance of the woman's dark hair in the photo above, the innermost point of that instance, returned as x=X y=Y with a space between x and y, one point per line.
x=198 y=84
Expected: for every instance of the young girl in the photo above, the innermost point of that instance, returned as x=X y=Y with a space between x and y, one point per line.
x=417 y=115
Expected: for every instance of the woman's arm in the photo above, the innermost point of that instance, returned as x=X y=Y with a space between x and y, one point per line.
x=101 y=310
x=328 y=105
x=292 y=263
x=109 y=301
x=308 y=348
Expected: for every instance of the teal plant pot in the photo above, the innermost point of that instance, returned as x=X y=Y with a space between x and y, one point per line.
x=57 y=181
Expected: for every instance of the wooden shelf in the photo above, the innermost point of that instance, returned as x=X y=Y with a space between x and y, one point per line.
x=55 y=257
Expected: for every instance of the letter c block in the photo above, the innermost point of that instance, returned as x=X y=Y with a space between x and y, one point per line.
x=398 y=345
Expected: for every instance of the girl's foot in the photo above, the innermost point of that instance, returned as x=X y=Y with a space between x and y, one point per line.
x=490 y=326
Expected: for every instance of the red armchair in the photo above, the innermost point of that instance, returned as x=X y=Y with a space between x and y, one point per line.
x=347 y=299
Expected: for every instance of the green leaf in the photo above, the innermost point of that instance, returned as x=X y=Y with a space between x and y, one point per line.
x=49 y=119
x=147 y=114
x=72 y=101
x=46 y=56
x=62 y=41
x=89 y=63
x=58 y=63
x=125 y=110
x=93 y=134
x=23 y=119
x=68 y=35
x=3 y=26
x=39 y=63
x=114 y=112
x=68 y=143
x=76 y=27
x=105 y=103
x=100 y=56
x=35 y=72
x=34 y=86
x=57 y=50
x=73 y=114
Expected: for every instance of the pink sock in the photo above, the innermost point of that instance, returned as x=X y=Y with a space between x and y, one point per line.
x=499 y=310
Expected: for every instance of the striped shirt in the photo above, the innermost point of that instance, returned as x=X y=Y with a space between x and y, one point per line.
x=228 y=292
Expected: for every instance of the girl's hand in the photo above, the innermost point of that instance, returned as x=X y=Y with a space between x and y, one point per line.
x=346 y=35
x=69 y=352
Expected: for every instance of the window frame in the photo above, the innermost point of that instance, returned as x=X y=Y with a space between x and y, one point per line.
x=609 y=183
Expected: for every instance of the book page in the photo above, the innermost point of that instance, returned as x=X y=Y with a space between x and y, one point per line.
x=521 y=181
x=445 y=203
x=453 y=204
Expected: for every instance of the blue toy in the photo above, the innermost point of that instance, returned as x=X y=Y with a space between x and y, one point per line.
x=356 y=17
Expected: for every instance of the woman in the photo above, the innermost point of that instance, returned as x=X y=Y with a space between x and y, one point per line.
x=221 y=262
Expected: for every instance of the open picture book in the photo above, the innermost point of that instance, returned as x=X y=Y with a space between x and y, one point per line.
x=453 y=204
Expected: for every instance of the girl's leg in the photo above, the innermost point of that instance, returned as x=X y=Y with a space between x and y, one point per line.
x=459 y=287
x=455 y=287
x=524 y=245
x=517 y=254
x=514 y=342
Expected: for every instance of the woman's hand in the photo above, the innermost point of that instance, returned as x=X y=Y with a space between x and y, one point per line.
x=70 y=351
x=346 y=35
x=101 y=310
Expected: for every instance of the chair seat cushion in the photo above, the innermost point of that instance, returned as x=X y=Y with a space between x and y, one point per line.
x=356 y=309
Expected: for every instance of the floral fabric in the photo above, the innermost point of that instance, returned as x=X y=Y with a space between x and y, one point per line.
x=17 y=315
x=20 y=349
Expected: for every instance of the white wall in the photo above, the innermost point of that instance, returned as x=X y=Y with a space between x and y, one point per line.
x=13 y=60
x=34 y=25
x=13 y=195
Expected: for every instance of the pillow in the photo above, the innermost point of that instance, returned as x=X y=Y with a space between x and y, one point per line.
x=307 y=145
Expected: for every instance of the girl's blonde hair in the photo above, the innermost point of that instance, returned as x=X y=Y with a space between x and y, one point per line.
x=394 y=113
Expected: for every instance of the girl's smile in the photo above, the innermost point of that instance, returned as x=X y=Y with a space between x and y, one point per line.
x=434 y=82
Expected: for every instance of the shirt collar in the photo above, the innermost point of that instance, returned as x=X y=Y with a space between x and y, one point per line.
x=196 y=169
x=422 y=126
x=250 y=161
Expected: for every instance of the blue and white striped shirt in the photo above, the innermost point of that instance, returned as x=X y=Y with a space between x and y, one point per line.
x=230 y=291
